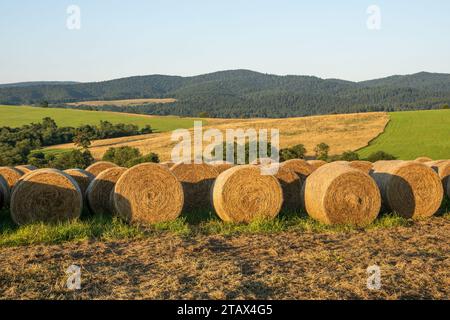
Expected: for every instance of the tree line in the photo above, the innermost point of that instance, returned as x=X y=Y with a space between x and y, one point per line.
x=19 y=145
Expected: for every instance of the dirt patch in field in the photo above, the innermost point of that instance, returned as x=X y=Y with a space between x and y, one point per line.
x=414 y=264
x=341 y=132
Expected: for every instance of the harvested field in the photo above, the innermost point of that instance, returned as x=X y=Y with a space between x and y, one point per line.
x=342 y=132
x=414 y=262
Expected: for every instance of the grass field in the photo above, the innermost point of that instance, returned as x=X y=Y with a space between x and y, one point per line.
x=127 y=102
x=15 y=116
x=106 y=228
x=411 y=134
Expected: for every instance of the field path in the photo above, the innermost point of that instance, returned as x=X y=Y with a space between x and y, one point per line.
x=414 y=262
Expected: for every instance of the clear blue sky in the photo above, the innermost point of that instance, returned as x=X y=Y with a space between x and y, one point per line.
x=328 y=39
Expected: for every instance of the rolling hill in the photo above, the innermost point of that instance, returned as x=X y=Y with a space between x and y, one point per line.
x=15 y=116
x=34 y=83
x=342 y=132
x=244 y=93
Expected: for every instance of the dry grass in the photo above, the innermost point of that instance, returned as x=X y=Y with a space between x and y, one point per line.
x=414 y=262
x=121 y=103
x=341 y=132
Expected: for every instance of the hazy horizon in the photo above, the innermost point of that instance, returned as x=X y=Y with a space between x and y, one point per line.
x=326 y=39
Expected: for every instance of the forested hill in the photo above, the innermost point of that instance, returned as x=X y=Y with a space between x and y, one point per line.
x=35 y=83
x=244 y=93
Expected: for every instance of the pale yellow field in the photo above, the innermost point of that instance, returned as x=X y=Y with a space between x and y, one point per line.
x=340 y=132
x=127 y=102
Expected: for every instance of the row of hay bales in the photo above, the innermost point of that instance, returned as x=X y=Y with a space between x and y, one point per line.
x=333 y=193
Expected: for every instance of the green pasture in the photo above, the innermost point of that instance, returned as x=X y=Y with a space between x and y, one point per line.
x=411 y=134
x=16 y=116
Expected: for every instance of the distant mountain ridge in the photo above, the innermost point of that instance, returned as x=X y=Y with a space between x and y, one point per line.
x=246 y=93
x=34 y=83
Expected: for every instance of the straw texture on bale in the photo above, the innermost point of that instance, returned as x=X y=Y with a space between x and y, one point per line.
x=4 y=192
x=97 y=167
x=113 y=210
x=27 y=168
x=221 y=166
x=442 y=168
x=410 y=188
x=46 y=195
x=302 y=168
x=148 y=193
x=423 y=159
x=339 y=194
x=82 y=177
x=168 y=164
x=291 y=184
x=243 y=194
x=316 y=163
x=196 y=180
x=263 y=161
x=364 y=166
x=99 y=190
x=11 y=175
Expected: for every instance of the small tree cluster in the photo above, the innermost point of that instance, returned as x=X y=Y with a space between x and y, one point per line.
x=127 y=156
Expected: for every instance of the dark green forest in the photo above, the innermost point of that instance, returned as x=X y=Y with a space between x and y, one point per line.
x=244 y=93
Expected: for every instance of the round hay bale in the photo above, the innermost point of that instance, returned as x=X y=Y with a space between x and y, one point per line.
x=316 y=163
x=111 y=202
x=99 y=190
x=100 y=166
x=46 y=195
x=82 y=177
x=340 y=194
x=423 y=159
x=26 y=168
x=168 y=164
x=410 y=188
x=448 y=188
x=291 y=184
x=302 y=168
x=243 y=194
x=11 y=175
x=364 y=166
x=221 y=166
x=341 y=162
x=263 y=161
x=4 y=192
x=442 y=168
x=148 y=193
x=196 y=180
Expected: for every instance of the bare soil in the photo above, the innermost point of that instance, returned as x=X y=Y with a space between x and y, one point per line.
x=414 y=262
